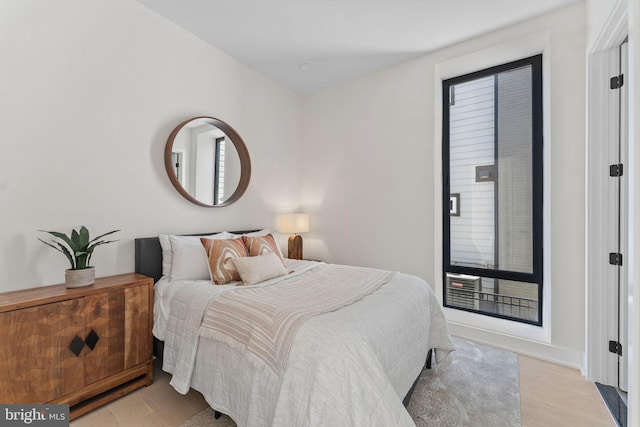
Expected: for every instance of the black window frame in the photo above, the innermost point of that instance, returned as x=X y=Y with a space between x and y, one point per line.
x=536 y=276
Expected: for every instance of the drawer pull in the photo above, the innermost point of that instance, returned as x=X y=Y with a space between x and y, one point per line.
x=92 y=339
x=76 y=346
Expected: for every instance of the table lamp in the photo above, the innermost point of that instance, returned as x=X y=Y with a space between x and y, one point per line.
x=294 y=223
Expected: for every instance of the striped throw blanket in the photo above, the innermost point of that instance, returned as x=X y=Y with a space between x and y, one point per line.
x=262 y=321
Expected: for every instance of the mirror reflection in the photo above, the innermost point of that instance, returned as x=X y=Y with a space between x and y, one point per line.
x=205 y=163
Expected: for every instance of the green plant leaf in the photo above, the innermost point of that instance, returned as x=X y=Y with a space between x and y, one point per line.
x=75 y=238
x=82 y=260
x=63 y=249
x=66 y=252
x=102 y=235
x=96 y=244
x=84 y=238
x=60 y=236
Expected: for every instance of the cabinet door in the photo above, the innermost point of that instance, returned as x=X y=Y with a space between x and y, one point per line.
x=36 y=364
x=120 y=320
x=137 y=341
x=104 y=318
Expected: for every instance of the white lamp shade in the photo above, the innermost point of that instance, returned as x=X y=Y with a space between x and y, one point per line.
x=294 y=223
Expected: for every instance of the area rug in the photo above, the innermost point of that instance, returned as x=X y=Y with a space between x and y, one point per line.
x=479 y=388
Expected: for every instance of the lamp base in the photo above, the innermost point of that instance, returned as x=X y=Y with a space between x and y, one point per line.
x=295 y=247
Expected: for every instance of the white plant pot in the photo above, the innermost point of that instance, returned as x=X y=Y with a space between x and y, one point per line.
x=80 y=278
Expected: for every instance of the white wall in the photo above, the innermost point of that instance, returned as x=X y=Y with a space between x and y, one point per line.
x=89 y=92
x=369 y=158
x=598 y=12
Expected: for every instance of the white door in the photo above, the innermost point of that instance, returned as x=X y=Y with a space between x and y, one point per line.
x=617 y=205
x=608 y=204
x=623 y=218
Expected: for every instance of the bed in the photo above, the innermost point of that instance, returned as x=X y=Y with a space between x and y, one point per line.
x=354 y=364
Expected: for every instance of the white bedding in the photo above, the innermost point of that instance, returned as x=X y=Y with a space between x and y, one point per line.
x=165 y=289
x=350 y=367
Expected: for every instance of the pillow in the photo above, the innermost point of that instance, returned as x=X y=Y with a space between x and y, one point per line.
x=255 y=269
x=261 y=245
x=263 y=232
x=167 y=256
x=188 y=259
x=219 y=255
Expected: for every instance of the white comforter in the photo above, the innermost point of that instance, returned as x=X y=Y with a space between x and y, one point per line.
x=350 y=367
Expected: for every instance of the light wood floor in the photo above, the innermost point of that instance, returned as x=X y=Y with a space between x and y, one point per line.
x=550 y=395
x=554 y=395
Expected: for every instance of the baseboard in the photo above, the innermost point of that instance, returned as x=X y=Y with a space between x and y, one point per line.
x=544 y=351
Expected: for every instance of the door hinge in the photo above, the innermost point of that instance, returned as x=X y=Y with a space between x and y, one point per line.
x=616 y=170
x=616 y=82
x=615 y=347
x=615 y=258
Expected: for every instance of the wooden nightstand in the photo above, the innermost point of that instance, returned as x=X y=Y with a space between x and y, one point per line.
x=83 y=347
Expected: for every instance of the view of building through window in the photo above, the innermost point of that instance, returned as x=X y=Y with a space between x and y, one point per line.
x=490 y=150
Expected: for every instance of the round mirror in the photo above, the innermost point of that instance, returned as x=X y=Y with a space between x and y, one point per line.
x=207 y=162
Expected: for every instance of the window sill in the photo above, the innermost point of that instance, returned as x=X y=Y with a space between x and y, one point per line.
x=498 y=326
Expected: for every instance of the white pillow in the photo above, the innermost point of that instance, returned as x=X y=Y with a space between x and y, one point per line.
x=255 y=269
x=264 y=232
x=188 y=258
x=167 y=256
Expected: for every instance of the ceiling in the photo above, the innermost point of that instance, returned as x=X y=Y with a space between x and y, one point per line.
x=307 y=45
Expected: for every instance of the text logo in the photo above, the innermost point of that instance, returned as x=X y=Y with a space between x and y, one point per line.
x=34 y=415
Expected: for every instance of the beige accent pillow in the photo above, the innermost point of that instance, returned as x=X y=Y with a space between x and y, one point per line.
x=220 y=253
x=260 y=245
x=255 y=269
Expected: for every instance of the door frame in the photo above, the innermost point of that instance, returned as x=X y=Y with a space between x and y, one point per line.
x=602 y=301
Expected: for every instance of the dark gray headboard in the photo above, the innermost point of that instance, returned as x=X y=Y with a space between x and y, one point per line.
x=149 y=254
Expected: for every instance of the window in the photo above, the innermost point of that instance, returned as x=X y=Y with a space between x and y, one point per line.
x=218 y=185
x=492 y=189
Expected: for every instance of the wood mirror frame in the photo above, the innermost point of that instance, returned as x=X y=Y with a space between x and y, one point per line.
x=238 y=143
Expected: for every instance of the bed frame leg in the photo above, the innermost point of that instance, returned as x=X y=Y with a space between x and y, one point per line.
x=217 y=414
x=427 y=365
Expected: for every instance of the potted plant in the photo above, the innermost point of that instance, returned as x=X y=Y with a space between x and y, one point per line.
x=78 y=249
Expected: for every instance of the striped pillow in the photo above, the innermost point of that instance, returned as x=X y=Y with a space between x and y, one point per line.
x=260 y=245
x=219 y=254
